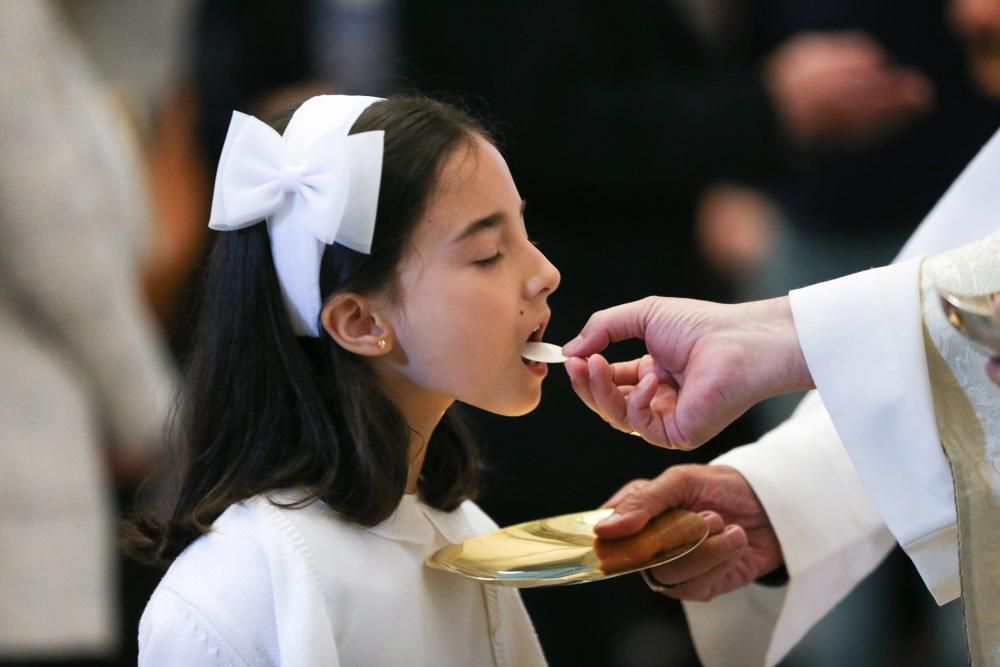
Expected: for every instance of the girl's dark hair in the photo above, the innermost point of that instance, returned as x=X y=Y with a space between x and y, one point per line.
x=262 y=409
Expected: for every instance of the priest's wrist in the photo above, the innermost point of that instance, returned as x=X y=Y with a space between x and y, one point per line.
x=776 y=362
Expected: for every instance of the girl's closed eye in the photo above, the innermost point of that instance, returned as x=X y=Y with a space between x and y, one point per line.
x=491 y=260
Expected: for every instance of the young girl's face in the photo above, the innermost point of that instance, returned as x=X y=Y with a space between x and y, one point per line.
x=472 y=291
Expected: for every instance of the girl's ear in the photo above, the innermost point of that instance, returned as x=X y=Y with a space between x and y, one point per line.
x=351 y=321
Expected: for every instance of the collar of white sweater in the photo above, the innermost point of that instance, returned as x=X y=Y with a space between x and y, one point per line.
x=414 y=521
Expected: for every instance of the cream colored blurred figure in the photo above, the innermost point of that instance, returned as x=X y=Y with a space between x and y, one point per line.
x=83 y=372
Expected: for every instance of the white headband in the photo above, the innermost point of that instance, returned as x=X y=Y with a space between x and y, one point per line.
x=314 y=185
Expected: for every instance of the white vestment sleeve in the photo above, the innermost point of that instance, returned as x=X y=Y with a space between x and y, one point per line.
x=832 y=536
x=862 y=338
x=863 y=342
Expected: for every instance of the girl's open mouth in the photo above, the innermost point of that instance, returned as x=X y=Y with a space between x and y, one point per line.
x=538 y=367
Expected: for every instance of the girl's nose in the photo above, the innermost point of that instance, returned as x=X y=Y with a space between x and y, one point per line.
x=544 y=278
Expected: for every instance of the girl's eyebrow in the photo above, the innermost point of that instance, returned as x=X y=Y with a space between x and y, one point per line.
x=483 y=224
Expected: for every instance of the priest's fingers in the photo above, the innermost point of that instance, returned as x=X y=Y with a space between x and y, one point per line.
x=644 y=421
x=663 y=535
x=579 y=378
x=625 y=376
x=623 y=406
x=608 y=397
x=625 y=491
x=638 y=502
x=627 y=372
x=665 y=400
x=606 y=326
x=717 y=581
x=698 y=571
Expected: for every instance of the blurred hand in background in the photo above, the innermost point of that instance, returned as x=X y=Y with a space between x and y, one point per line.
x=831 y=87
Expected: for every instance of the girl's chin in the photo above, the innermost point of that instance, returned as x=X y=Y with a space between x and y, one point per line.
x=513 y=408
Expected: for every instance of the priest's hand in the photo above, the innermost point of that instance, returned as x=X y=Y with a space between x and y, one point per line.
x=707 y=364
x=741 y=548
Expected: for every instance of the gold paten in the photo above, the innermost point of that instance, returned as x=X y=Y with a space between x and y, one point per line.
x=563 y=550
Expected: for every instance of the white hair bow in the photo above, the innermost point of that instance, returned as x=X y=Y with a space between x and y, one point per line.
x=314 y=185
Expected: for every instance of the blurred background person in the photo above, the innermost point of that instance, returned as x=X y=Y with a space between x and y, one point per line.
x=139 y=50
x=84 y=375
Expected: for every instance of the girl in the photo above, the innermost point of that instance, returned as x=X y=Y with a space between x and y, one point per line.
x=324 y=468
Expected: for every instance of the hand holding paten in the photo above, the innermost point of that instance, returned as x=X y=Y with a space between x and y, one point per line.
x=741 y=547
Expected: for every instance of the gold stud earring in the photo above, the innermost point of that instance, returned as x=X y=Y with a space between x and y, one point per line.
x=382 y=343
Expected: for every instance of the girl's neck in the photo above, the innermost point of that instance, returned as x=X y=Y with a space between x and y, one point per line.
x=422 y=425
x=422 y=412
x=417 y=452
x=422 y=417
